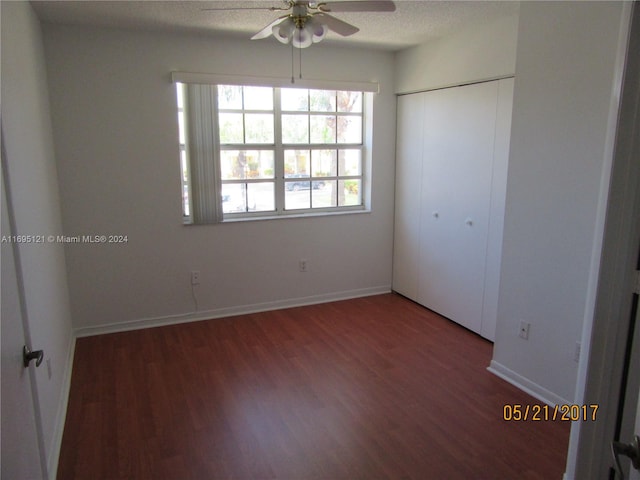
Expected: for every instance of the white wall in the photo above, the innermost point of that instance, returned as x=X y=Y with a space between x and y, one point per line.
x=34 y=190
x=563 y=87
x=563 y=91
x=115 y=129
x=479 y=52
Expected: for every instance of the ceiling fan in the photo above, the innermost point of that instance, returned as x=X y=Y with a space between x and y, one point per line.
x=309 y=21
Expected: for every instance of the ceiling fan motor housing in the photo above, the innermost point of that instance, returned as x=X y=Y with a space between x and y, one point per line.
x=300 y=28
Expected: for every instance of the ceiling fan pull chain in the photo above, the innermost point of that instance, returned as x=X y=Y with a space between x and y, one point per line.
x=292 y=79
x=300 y=50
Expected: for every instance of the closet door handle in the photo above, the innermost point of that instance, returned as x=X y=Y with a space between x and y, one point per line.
x=469 y=222
x=436 y=214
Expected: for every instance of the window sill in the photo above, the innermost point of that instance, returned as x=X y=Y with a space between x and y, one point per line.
x=285 y=216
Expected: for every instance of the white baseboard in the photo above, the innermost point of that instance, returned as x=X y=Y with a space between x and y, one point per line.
x=61 y=414
x=526 y=385
x=228 y=311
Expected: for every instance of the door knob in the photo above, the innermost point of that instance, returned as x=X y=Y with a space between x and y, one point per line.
x=28 y=355
x=631 y=450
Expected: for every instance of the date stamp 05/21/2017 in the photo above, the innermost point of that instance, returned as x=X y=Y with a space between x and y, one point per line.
x=538 y=413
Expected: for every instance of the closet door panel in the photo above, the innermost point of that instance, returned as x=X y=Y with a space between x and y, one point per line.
x=437 y=269
x=498 y=198
x=410 y=118
x=459 y=130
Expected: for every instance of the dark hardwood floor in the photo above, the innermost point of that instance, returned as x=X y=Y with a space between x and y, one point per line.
x=370 y=388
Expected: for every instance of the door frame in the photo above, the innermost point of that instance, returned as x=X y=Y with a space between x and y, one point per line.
x=607 y=321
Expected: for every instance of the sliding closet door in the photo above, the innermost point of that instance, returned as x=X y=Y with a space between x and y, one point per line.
x=457 y=165
x=410 y=121
x=451 y=174
x=498 y=198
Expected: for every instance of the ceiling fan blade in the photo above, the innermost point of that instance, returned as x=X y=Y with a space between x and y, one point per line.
x=358 y=6
x=285 y=6
x=230 y=9
x=268 y=30
x=343 y=28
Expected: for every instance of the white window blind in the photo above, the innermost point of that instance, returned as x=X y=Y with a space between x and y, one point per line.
x=202 y=151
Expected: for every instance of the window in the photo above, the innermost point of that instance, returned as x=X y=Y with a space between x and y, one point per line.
x=184 y=165
x=274 y=151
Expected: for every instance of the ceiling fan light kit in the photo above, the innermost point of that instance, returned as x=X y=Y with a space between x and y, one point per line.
x=300 y=31
x=309 y=22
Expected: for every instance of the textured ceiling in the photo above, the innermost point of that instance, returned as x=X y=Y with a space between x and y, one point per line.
x=412 y=23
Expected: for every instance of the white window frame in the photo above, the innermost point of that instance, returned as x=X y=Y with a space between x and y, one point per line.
x=279 y=148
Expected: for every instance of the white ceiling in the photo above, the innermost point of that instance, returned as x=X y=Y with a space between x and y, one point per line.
x=413 y=22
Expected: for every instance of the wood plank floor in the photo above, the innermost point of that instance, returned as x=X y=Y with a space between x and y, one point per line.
x=370 y=388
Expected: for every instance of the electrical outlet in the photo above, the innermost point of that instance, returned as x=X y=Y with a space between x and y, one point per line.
x=576 y=352
x=195 y=277
x=302 y=265
x=524 y=330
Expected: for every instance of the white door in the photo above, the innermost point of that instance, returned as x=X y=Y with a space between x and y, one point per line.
x=635 y=474
x=459 y=133
x=21 y=457
x=498 y=200
x=629 y=129
x=630 y=414
x=406 y=241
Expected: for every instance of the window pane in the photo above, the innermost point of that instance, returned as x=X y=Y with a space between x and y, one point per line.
x=349 y=162
x=182 y=138
x=242 y=164
x=294 y=99
x=258 y=98
x=296 y=163
x=295 y=128
x=186 y=210
x=349 y=129
x=185 y=183
x=261 y=197
x=349 y=193
x=324 y=163
x=322 y=100
x=260 y=163
x=180 y=95
x=297 y=195
x=234 y=198
x=229 y=96
x=231 y=130
x=350 y=102
x=248 y=197
x=323 y=129
x=259 y=128
x=323 y=193
x=233 y=165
